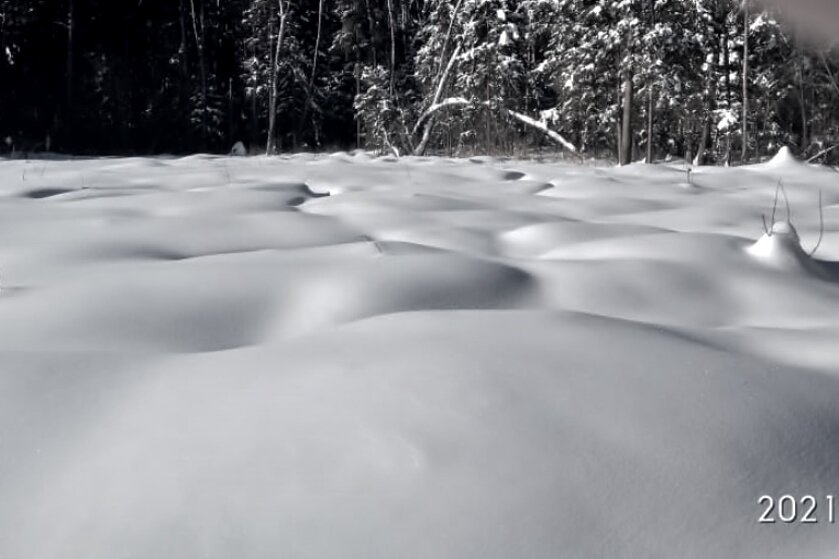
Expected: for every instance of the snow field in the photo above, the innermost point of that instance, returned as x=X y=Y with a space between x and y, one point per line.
x=347 y=356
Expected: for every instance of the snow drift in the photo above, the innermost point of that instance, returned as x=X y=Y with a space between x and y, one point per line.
x=344 y=356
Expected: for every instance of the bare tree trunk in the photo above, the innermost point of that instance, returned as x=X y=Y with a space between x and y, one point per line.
x=650 y=117
x=703 y=141
x=254 y=95
x=831 y=77
x=270 y=144
x=802 y=100
x=358 y=62
x=429 y=124
x=272 y=92
x=392 y=25
x=745 y=132
x=71 y=30
x=650 y=97
x=618 y=124
x=727 y=74
x=357 y=71
x=317 y=45
x=372 y=28
x=183 y=55
x=182 y=48
x=254 y=122
x=406 y=24
x=230 y=113
x=68 y=123
x=710 y=103
x=447 y=39
x=487 y=131
x=309 y=91
x=198 y=21
x=442 y=75
x=626 y=123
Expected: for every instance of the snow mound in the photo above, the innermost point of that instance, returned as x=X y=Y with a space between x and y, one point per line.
x=785 y=162
x=238 y=150
x=784 y=158
x=781 y=248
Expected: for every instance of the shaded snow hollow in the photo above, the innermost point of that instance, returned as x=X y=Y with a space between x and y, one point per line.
x=342 y=356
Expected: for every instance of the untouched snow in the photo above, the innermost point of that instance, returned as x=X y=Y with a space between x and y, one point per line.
x=342 y=356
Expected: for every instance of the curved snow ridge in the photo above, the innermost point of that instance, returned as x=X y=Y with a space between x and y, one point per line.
x=450 y=239
x=233 y=300
x=583 y=186
x=413 y=281
x=592 y=208
x=660 y=293
x=198 y=236
x=794 y=345
x=176 y=307
x=221 y=201
x=653 y=244
x=688 y=280
x=392 y=200
x=540 y=239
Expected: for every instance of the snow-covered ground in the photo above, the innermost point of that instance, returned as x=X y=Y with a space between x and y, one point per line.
x=341 y=356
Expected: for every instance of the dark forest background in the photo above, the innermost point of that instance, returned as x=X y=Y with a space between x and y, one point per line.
x=715 y=81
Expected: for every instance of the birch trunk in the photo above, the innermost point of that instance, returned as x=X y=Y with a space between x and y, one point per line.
x=270 y=144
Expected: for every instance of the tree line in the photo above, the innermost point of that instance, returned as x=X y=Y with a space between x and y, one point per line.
x=716 y=81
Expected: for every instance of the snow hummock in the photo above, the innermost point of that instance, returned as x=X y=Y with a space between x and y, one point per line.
x=783 y=158
x=784 y=163
x=781 y=248
x=353 y=356
x=239 y=150
x=780 y=243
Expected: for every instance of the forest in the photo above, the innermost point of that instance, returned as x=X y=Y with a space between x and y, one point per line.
x=714 y=81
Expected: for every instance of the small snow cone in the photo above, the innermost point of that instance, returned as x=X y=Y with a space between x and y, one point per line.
x=238 y=150
x=780 y=248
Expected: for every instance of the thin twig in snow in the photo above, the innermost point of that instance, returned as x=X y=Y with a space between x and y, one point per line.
x=786 y=201
x=775 y=203
x=821 y=226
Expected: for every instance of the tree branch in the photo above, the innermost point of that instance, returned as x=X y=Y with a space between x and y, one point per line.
x=542 y=127
x=522 y=118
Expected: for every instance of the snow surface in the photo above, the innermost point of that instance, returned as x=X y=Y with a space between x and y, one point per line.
x=343 y=356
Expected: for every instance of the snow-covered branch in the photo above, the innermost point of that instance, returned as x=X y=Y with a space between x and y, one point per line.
x=427 y=118
x=450 y=102
x=438 y=92
x=520 y=117
x=542 y=127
